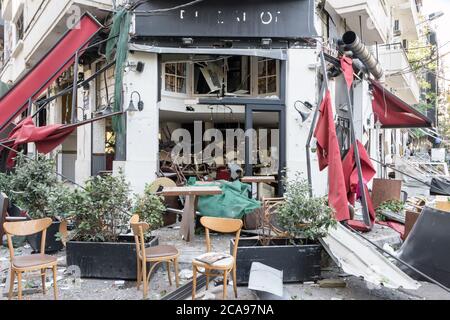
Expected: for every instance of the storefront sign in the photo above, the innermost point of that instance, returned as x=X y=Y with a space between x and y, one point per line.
x=227 y=18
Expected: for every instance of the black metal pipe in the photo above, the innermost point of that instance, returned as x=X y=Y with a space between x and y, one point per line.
x=70 y=88
x=360 y=51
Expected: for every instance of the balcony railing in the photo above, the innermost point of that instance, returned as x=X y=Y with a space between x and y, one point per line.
x=399 y=74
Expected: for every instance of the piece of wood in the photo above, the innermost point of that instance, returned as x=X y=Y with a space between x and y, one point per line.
x=384 y=190
x=258 y=179
x=187 y=228
x=410 y=220
x=332 y=283
x=197 y=191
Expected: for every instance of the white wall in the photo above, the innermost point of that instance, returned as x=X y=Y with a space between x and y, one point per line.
x=301 y=84
x=142 y=127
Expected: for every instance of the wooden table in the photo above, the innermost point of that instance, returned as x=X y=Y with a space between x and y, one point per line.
x=258 y=180
x=188 y=223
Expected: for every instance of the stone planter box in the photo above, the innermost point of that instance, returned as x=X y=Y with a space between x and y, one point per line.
x=106 y=260
x=52 y=244
x=300 y=263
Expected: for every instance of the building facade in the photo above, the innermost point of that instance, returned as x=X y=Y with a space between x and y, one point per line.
x=218 y=71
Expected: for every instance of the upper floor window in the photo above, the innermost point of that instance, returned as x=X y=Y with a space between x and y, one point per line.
x=175 y=76
x=267 y=76
x=19 y=23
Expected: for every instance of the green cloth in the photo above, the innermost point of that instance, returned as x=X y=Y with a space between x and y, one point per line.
x=4 y=88
x=233 y=203
x=117 y=48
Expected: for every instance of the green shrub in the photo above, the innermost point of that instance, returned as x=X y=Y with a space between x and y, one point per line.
x=150 y=208
x=34 y=186
x=302 y=216
x=101 y=211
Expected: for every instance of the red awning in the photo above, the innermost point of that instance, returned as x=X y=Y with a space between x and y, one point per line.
x=394 y=112
x=46 y=138
x=46 y=71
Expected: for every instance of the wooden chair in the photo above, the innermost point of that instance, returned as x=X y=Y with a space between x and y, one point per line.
x=21 y=264
x=153 y=255
x=224 y=266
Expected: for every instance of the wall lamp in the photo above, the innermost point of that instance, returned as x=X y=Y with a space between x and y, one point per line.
x=131 y=107
x=307 y=109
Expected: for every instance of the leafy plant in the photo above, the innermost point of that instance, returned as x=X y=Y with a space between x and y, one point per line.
x=302 y=216
x=33 y=186
x=150 y=208
x=101 y=210
x=393 y=205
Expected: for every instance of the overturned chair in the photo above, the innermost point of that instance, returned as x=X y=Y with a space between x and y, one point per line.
x=152 y=255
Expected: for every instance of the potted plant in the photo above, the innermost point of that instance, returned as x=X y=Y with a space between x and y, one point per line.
x=33 y=188
x=100 y=244
x=296 y=223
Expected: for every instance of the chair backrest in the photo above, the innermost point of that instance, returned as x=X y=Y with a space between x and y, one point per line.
x=4 y=202
x=222 y=225
x=26 y=228
x=139 y=229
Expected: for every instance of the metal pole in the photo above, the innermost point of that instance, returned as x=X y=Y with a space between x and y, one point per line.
x=366 y=215
x=75 y=89
x=313 y=124
x=308 y=141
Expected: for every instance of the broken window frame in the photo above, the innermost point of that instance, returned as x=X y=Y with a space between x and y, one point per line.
x=186 y=77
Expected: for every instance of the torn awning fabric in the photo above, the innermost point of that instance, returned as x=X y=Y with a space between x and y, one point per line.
x=394 y=112
x=46 y=138
x=47 y=70
x=329 y=155
x=352 y=185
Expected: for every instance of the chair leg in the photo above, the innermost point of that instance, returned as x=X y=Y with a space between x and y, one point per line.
x=144 y=277
x=19 y=285
x=225 y=284
x=194 y=281
x=139 y=274
x=177 y=280
x=43 y=271
x=207 y=279
x=168 y=272
x=12 y=275
x=234 y=282
x=55 y=285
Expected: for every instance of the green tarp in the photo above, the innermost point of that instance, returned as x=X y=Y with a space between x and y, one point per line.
x=234 y=202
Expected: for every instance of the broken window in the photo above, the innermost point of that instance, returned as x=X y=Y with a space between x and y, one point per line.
x=19 y=27
x=267 y=76
x=175 y=75
x=209 y=77
x=238 y=75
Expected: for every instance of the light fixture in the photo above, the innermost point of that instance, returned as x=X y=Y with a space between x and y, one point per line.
x=131 y=107
x=190 y=109
x=266 y=42
x=187 y=41
x=307 y=108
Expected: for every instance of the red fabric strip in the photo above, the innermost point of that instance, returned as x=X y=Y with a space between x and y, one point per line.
x=347 y=68
x=329 y=155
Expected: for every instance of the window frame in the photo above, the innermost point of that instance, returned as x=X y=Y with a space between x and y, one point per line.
x=256 y=77
x=187 y=78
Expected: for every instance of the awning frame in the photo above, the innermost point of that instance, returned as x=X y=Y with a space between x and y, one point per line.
x=407 y=107
x=82 y=48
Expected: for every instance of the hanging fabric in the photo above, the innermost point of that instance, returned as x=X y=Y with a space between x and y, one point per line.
x=352 y=185
x=329 y=155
